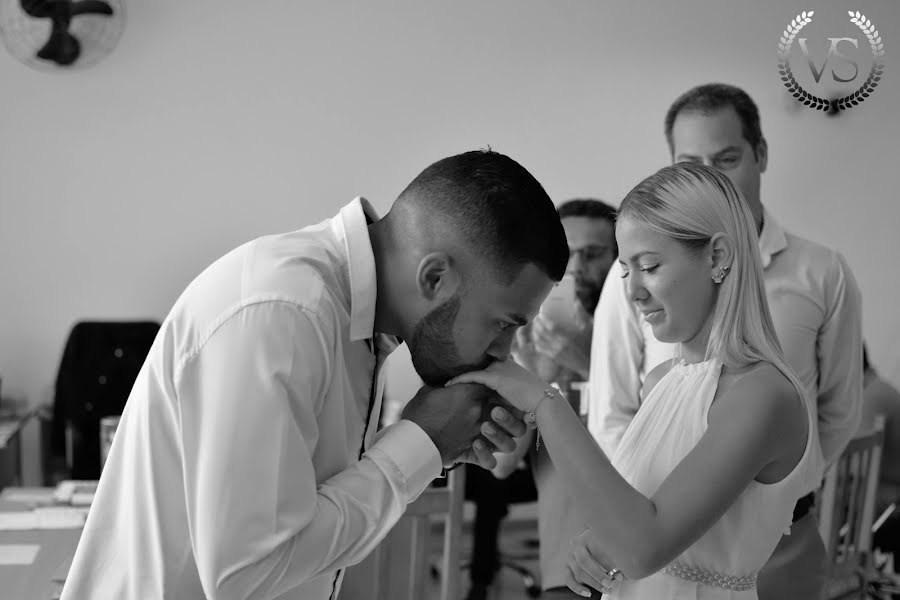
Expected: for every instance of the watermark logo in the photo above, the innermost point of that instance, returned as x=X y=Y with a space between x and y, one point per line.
x=848 y=72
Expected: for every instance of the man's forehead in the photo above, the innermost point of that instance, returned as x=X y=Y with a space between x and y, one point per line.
x=709 y=131
x=584 y=231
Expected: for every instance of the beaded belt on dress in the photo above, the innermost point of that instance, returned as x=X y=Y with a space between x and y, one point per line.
x=728 y=582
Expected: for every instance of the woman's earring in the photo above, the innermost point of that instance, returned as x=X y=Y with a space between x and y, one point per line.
x=718 y=277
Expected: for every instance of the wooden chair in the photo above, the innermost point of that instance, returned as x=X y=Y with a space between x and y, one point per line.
x=847 y=511
x=399 y=568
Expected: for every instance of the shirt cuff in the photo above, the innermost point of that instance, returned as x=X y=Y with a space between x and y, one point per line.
x=410 y=449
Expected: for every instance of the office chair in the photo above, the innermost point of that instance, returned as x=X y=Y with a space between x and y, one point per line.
x=99 y=365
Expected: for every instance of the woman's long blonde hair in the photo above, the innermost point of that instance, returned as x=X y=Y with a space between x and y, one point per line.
x=690 y=203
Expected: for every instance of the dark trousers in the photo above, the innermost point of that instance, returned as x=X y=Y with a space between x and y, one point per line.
x=492 y=497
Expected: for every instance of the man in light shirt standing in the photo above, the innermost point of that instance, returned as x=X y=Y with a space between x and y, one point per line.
x=815 y=305
x=247 y=462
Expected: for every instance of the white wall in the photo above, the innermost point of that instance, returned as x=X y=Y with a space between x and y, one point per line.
x=217 y=121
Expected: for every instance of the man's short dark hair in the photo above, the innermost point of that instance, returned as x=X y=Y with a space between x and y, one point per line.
x=498 y=208
x=712 y=97
x=592 y=209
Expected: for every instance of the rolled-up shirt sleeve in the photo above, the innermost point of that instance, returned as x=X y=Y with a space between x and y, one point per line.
x=260 y=521
x=839 y=354
x=617 y=352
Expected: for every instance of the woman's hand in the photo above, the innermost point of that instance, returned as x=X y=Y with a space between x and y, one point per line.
x=518 y=386
x=585 y=570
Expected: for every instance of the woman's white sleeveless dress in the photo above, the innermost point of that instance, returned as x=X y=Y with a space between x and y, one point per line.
x=724 y=562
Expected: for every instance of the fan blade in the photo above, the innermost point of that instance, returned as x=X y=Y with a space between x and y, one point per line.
x=91 y=7
x=37 y=8
x=62 y=48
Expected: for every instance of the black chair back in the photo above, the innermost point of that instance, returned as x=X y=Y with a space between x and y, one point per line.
x=99 y=365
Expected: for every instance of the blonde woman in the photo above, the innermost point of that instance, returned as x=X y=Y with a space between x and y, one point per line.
x=703 y=484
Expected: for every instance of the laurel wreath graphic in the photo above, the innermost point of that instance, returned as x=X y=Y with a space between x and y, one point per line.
x=784 y=67
x=807 y=99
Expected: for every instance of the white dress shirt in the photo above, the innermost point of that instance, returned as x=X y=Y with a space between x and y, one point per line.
x=817 y=312
x=246 y=463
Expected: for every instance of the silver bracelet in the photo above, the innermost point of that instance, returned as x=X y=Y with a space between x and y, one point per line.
x=531 y=417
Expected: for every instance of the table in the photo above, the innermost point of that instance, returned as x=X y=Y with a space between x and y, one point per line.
x=35 y=581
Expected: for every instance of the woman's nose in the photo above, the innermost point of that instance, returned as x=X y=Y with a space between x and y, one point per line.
x=634 y=288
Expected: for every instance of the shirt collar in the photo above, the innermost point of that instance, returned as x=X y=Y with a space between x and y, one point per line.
x=352 y=229
x=772 y=239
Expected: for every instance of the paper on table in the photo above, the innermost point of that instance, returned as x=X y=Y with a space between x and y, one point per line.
x=60 y=517
x=10 y=521
x=18 y=554
x=28 y=495
x=66 y=488
x=49 y=517
x=82 y=498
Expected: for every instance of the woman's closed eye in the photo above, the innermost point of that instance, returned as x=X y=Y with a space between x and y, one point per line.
x=642 y=268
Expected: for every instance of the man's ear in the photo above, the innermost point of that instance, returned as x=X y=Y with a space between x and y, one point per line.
x=437 y=278
x=762 y=155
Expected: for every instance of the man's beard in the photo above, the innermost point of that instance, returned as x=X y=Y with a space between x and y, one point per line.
x=588 y=295
x=434 y=355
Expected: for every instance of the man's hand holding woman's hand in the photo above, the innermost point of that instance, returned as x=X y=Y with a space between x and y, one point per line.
x=467 y=423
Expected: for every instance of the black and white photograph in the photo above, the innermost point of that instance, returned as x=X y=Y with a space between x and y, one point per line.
x=474 y=300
